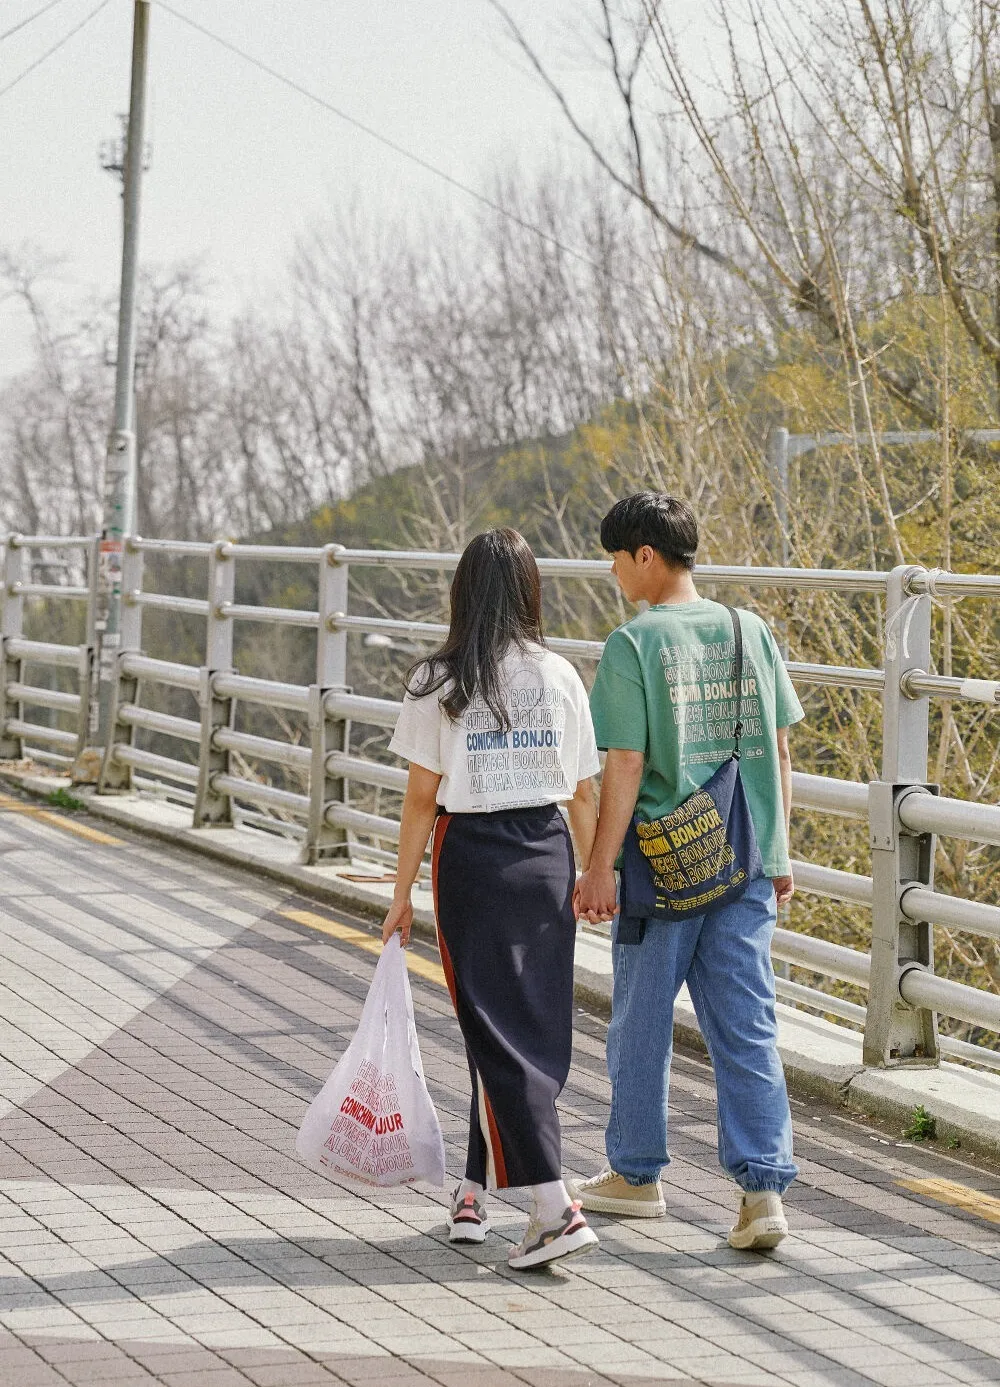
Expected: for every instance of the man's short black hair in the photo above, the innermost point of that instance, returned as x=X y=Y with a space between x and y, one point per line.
x=665 y=523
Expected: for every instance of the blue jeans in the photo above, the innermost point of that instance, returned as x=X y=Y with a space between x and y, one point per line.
x=724 y=957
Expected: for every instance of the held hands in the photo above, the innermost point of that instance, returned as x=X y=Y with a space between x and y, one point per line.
x=784 y=889
x=595 y=897
x=399 y=917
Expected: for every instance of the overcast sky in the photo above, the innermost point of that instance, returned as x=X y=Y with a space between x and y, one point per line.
x=241 y=164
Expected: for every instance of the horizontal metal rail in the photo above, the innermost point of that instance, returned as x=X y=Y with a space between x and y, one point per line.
x=176 y=676
x=44 y=652
x=367 y=772
x=281 y=828
x=49 y=590
x=51 y=758
x=820 y=1001
x=430 y=632
x=954 y=912
x=807 y=579
x=157 y=765
x=957 y=818
x=376 y=712
x=49 y=541
x=840 y=676
x=32 y=732
x=819 y=955
x=43 y=698
x=373 y=854
x=166 y=602
x=412 y=630
x=341 y=816
x=185 y=729
x=271 y=693
x=799 y=443
x=827 y=881
x=263 y=748
x=238 y=788
x=272 y=553
x=922 y=989
x=163 y=790
x=953 y=584
x=170 y=546
x=276 y=616
x=584 y=650
x=917 y=682
x=974 y=1054
x=829 y=795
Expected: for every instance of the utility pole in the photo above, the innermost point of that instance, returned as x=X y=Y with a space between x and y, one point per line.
x=118 y=518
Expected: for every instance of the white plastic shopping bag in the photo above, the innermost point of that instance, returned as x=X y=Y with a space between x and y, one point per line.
x=373 y=1119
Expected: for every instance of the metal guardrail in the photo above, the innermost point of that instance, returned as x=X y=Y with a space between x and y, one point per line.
x=19 y=696
x=903 y=813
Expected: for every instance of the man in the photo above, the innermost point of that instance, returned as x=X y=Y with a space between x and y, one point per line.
x=664 y=711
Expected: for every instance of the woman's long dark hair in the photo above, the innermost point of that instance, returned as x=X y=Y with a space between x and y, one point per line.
x=496 y=602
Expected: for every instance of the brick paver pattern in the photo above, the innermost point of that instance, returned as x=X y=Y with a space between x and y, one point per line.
x=162 y=1028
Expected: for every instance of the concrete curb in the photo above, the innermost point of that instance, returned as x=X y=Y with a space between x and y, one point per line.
x=821 y=1060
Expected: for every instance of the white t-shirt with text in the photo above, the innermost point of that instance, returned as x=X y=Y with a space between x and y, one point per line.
x=549 y=749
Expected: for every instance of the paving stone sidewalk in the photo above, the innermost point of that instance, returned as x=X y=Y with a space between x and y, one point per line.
x=163 y=1025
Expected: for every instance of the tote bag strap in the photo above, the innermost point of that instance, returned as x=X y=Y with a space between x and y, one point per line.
x=738 y=679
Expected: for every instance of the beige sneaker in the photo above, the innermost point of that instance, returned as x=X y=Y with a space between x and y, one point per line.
x=611 y=1193
x=761 y=1223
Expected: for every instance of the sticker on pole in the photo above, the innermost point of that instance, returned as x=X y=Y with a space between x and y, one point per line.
x=373 y=1120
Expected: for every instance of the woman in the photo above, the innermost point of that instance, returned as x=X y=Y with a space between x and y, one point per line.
x=498 y=734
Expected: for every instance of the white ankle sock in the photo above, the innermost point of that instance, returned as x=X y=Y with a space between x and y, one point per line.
x=551 y=1201
x=470 y=1187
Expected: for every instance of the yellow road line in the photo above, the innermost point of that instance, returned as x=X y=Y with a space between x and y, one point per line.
x=348 y=934
x=33 y=811
x=959 y=1196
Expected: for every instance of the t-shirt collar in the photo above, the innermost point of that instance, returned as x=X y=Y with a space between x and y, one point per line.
x=677 y=606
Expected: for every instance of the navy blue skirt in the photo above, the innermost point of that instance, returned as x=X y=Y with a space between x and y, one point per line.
x=503 y=891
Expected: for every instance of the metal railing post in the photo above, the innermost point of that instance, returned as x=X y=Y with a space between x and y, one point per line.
x=896 y=1033
x=328 y=734
x=87 y=766
x=11 y=627
x=116 y=776
x=212 y=808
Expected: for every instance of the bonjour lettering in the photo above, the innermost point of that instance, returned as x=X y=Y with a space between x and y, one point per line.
x=527 y=757
x=368 y=1136
x=703 y=691
x=687 y=847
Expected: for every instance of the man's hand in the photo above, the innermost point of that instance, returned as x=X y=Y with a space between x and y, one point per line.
x=400 y=917
x=784 y=889
x=595 y=897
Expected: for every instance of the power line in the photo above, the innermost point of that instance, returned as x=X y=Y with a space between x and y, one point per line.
x=399 y=149
x=31 y=17
x=55 y=47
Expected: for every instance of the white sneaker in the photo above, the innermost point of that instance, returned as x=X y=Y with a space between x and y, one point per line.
x=571 y=1236
x=761 y=1223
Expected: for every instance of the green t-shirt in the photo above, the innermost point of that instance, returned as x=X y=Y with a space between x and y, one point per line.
x=665 y=687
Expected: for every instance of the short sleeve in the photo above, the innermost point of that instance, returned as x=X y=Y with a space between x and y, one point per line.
x=588 y=762
x=618 y=698
x=417 y=737
x=787 y=708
